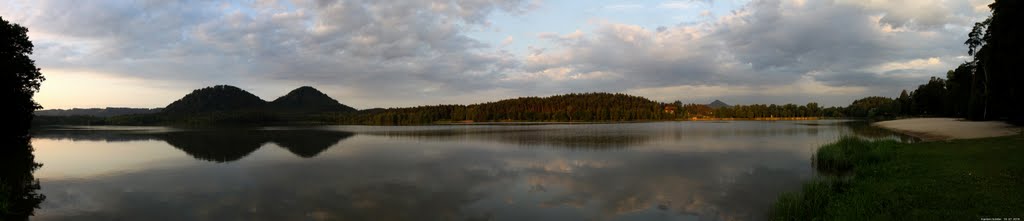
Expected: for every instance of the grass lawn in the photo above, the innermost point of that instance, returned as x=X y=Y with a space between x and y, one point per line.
x=956 y=180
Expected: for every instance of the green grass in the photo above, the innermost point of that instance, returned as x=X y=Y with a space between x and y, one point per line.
x=957 y=180
x=843 y=155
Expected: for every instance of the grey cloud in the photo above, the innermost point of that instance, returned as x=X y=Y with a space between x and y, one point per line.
x=402 y=51
x=633 y=55
x=773 y=38
x=395 y=48
x=774 y=43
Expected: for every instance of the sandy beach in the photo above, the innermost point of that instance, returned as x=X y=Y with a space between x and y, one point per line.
x=931 y=129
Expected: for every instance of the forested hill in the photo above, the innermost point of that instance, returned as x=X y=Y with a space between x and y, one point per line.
x=308 y=99
x=227 y=105
x=222 y=98
x=559 y=108
x=216 y=98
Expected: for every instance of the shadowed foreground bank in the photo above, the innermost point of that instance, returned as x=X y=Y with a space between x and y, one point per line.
x=884 y=180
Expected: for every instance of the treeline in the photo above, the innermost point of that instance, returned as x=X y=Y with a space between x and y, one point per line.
x=98 y=112
x=560 y=108
x=691 y=111
x=779 y=111
x=197 y=119
x=985 y=88
x=938 y=97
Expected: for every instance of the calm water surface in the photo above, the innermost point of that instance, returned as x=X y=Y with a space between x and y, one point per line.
x=640 y=171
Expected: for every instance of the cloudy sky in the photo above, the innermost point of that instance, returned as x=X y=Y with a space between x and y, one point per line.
x=369 y=53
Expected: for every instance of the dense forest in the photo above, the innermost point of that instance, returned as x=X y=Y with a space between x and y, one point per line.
x=97 y=112
x=559 y=108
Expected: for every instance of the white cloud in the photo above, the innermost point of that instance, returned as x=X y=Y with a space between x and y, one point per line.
x=618 y=7
x=692 y=4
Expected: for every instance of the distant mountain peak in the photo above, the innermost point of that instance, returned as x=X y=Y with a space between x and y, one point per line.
x=718 y=104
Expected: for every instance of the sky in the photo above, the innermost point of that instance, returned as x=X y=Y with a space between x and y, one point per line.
x=369 y=53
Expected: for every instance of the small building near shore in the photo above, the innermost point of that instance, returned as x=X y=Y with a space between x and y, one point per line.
x=670 y=109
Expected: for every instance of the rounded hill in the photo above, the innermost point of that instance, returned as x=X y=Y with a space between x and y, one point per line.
x=308 y=99
x=216 y=98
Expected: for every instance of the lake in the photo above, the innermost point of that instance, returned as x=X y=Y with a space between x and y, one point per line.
x=690 y=170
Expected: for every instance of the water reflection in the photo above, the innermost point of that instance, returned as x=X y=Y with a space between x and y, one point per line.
x=18 y=186
x=620 y=136
x=655 y=171
x=573 y=138
x=391 y=181
x=216 y=145
x=864 y=129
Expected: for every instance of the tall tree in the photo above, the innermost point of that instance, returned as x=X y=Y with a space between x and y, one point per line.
x=997 y=49
x=20 y=76
x=958 y=86
x=929 y=99
x=904 y=104
x=20 y=80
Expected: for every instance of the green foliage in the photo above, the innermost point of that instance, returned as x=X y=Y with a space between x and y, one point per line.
x=843 y=155
x=772 y=111
x=559 y=108
x=696 y=110
x=97 y=112
x=871 y=107
x=955 y=180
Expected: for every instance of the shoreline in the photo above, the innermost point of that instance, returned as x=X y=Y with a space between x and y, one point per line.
x=945 y=129
x=624 y=122
x=450 y=123
x=888 y=180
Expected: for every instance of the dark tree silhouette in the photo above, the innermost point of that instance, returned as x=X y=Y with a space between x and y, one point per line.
x=985 y=88
x=216 y=98
x=18 y=186
x=585 y=107
x=307 y=99
x=20 y=76
x=872 y=107
x=929 y=99
x=997 y=49
x=904 y=103
x=958 y=86
x=20 y=80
